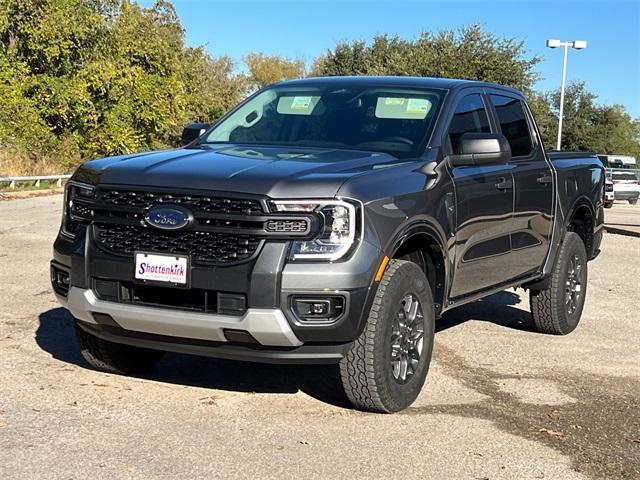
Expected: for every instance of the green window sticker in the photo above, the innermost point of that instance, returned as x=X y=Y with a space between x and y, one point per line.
x=402 y=108
x=418 y=105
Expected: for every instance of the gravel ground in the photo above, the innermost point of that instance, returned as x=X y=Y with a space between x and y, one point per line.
x=501 y=401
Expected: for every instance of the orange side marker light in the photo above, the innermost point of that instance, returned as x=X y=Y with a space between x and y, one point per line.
x=381 y=269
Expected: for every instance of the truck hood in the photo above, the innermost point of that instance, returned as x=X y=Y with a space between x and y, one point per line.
x=278 y=172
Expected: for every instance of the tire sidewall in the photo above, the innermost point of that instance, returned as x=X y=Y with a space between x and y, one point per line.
x=574 y=246
x=409 y=278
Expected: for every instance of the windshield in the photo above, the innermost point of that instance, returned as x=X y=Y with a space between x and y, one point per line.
x=390 y=120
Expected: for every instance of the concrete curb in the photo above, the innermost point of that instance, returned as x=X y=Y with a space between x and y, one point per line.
x=622 y=231
x=8 y=195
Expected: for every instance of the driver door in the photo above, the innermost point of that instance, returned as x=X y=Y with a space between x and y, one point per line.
x=484 y=207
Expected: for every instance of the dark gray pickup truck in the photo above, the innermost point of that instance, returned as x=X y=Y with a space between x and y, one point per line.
x=328 y=220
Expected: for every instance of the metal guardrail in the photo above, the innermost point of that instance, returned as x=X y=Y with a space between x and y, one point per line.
x=36 y=179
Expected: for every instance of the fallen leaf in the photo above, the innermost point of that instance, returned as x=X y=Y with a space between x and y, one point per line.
x=552 y=433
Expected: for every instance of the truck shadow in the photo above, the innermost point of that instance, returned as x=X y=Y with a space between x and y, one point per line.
x=498 y=309
x=55 y=335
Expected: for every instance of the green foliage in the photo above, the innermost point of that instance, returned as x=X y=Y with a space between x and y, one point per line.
x=267 y=69
x=86 y=78
x=469 y=53
x=606 y=129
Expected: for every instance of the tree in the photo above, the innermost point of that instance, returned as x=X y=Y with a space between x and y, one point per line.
x=267 y=69
x=606 y=129
x=88 y=78
x=469 y=53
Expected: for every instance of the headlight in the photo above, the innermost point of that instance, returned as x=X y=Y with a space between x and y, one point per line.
x=74 y=210
x=340 y=227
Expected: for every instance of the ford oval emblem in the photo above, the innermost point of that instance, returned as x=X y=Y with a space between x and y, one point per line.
x=169 y=217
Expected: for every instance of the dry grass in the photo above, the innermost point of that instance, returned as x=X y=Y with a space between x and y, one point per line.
x=15 y=163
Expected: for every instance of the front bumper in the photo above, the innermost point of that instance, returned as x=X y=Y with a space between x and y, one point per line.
x=198 y=334
x=269 y=284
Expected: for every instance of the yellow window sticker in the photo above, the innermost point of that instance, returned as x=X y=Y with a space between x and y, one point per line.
x=418 y=105
x=301 y=103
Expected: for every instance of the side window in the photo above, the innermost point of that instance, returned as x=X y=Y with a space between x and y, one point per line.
x=513 y=123
x=469 y=116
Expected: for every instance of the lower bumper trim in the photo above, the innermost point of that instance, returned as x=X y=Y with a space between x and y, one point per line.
x=305 y=354
x=267 y=325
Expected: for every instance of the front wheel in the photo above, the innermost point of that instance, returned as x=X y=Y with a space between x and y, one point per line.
x=557 y=310
x=387 y=365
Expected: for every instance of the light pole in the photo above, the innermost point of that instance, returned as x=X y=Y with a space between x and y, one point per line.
x=578 y=45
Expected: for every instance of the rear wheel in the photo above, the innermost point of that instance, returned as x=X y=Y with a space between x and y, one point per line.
x=114 y=357
x=387 y=365
x=557 y=310
x=633 y=201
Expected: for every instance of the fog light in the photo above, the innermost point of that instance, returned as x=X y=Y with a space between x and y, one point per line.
x=60 y=281
x=323 y=310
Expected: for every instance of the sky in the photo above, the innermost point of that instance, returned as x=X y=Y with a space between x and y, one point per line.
x=610 y=65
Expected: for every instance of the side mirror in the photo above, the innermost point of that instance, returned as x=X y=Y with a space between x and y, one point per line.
x=192 y=131
x=481 y=149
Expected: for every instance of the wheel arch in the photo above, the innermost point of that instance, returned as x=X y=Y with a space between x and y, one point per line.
x=423 y=243
x=582 y=220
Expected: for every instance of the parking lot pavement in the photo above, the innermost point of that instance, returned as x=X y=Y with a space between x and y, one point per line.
x=501 y=402
x=623 y=217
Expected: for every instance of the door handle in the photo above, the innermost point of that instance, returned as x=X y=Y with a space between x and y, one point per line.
x=545 y=179
x=504 y=184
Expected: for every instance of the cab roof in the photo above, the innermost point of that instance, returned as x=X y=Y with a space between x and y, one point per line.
x=392 y=81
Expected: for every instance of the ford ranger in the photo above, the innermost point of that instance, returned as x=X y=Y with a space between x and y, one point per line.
x=328 y=221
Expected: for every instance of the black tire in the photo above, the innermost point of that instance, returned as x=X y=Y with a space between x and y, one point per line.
x=114 y=357
x=367 y=374
x=553 y=310
x=633 y=201
x=608 y=205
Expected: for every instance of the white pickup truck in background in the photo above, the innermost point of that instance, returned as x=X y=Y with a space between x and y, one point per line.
x=622 y=171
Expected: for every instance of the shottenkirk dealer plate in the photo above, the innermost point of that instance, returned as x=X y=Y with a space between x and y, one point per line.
x=169 y=269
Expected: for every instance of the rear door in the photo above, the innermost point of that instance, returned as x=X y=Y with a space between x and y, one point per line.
x=484 y=206
x=533 y=185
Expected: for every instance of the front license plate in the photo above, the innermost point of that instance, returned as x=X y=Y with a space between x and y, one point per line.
x=152 y=267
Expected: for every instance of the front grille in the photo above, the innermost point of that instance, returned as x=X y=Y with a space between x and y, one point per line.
x=196 y=203
x=224 y=229
x=203 y=247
